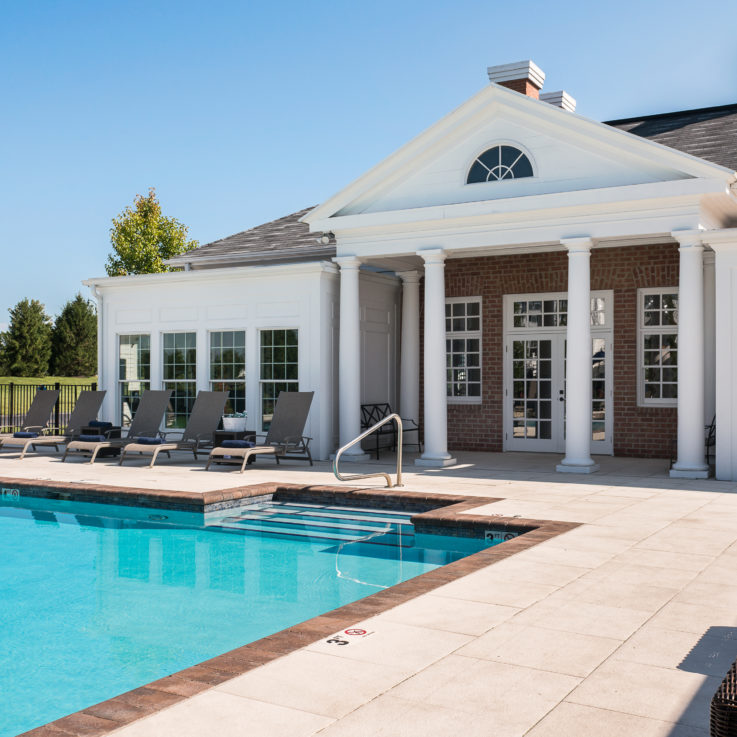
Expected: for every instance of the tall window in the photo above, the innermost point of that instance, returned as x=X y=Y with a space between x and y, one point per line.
x=658 y=351
x=228 y=367
x=180 y=375
x=134 y=373
x=463 y=349
x=279 y=369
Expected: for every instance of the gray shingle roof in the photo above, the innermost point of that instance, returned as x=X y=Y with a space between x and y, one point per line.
x=285 y=239
x=709 y=133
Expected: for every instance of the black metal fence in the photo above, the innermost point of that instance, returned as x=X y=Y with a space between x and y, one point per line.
x=15 y=399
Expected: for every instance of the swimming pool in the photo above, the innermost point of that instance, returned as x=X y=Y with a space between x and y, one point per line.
x=98 y=599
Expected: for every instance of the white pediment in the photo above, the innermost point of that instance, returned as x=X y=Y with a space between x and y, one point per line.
x=569 y=153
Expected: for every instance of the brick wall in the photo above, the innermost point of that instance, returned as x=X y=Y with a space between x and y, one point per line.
x=638 y=431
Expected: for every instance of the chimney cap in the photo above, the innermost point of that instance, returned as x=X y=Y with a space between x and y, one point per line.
x=518 y=70
x=560 y=99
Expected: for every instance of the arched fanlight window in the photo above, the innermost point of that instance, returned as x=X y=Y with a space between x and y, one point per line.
x=499 y=162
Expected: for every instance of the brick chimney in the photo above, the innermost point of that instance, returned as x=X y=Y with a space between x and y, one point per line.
x=521 y=76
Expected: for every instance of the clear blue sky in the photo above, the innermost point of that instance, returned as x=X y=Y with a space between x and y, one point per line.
x=240 y=112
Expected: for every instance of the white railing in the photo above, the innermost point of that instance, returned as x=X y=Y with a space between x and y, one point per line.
x=392 y=417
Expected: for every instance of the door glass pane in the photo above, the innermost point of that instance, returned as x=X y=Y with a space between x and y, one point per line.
x=532 y=382
x=598 y=389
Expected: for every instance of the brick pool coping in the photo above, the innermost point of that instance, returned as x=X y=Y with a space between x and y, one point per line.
x=442 y=513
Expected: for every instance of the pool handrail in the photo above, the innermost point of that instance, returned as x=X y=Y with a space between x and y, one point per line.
x=354 y=477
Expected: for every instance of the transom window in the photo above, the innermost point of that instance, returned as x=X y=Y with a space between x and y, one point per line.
x=463 y=349
x=180 y=375
x=499 y=162
x=228 y=367
x=658 y=364
x=134 y=373
x=552 y=313
x=279 y=369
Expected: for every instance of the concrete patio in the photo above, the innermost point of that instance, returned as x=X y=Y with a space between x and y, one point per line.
x=624 y=625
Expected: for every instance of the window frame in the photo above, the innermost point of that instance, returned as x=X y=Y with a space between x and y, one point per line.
x=263 y=381
x=493 y=144
x=467 y=334
x=243 y=381
x=164 y=381
x=642 y=331
x=146 y=383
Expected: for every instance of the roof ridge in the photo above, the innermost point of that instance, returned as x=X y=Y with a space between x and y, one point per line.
x=712 y=109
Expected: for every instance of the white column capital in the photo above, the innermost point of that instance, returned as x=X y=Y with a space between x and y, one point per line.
x=409 y=277
x=721 y=240
x=348 y=262
x=433 y=256
x=581 y=244
x=688 y=238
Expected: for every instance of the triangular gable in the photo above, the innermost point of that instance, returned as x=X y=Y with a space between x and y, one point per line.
x=569 y=153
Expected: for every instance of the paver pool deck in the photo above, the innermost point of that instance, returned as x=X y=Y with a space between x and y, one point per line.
x=624 y=625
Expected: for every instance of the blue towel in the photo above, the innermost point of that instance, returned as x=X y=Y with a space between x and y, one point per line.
x=237 y=444
x=149 y=441
x=99 y=423
x=92 y=438
x=25 y=434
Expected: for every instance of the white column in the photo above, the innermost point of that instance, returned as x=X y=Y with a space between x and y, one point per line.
x=709 y=338
x=409 y=377
x=436 y=401
x=691 y=456
x=349 y=358
x=578 y=360
x=724 y=243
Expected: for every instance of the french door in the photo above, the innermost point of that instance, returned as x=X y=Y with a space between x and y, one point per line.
x=535 y=392
x=534 y=385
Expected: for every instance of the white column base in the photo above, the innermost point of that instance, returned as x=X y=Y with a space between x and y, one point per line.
x=689 y=473
x=435 y=462
x=564 y=467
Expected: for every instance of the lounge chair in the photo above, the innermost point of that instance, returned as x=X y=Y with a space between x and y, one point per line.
x=206 y=413
x=85 y=411
x=37 y=417
x=284 y=439
x=145 y=423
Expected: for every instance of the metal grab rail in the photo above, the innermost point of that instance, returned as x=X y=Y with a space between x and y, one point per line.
x=394 y=416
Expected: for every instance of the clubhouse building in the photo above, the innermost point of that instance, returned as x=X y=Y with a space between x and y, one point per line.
x=515 y=278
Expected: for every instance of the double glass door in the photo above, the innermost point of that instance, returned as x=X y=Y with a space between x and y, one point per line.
x=535 y=392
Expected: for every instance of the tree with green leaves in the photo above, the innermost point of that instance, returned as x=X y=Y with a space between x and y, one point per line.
x=74 y=339
x=3 y=366
x=143 y=238
x=27 y=342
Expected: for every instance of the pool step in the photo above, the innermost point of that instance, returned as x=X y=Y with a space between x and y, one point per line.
x=324 y=523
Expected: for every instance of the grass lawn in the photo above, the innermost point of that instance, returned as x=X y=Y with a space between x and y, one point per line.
x=49 y=380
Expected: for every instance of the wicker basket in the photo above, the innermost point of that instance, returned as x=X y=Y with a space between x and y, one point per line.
x=723 y=721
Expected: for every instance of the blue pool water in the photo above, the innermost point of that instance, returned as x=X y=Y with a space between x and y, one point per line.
x=96 y=599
